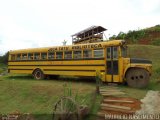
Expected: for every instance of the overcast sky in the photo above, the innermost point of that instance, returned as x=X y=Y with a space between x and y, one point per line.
x=41 y=23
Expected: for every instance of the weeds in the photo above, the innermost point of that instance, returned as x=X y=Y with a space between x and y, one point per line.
x=98 y=81
x=67 y=92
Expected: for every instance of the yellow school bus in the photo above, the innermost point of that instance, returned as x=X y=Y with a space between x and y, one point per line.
x=108 y=57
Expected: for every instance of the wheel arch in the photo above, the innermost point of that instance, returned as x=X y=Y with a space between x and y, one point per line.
x=132 y=67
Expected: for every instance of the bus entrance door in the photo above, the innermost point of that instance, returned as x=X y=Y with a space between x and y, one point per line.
x=112 y=66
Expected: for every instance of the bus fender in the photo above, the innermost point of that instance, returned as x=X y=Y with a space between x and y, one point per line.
x=134 y=66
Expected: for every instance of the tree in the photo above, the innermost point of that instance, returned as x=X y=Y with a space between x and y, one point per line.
x=4 y=58
x=121 y=35
x=112 y=37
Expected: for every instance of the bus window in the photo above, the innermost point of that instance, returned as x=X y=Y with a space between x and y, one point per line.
x=115 y=52
x=43 y=56
x=24 y=56
x=98 y=53
x=51 y=55
x=30 y=56
x=87 y=54
x=109 y=53
x=77 y=54
x=68 y=55
x=124 y=51
x=59 y=55
x=13 y=57
x=18 y=57
x=36 y=56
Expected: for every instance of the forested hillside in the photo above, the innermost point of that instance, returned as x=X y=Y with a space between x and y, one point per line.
x=147 y=36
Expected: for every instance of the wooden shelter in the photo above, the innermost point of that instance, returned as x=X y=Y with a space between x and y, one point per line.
x=89 y=35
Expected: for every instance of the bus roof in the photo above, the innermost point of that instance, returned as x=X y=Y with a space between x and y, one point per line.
x=97 y=45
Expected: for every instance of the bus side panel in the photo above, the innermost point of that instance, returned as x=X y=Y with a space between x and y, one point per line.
x=21 y=71
x=77 y=67
x=72 y=73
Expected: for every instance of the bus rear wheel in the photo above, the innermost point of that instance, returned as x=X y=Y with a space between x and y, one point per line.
x=137 y=77
x=38 y=74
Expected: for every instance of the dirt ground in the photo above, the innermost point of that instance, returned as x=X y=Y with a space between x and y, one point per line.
x=136 y=105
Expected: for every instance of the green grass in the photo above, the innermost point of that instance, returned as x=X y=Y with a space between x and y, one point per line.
x=94 y=107
x=2 y=67
x=26 y=95
x=154 y=28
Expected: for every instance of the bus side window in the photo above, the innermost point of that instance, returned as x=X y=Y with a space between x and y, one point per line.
x=36 y=56
x=59 y=55
x=24 y=56
x=13 y=57
x=51 y=55
x=77 y=54
x=109 y=53
x=30 y=56
x=87 y=54
x=98 y=53
x=115 y=52
x=18 y=57
x=43 y=56
x=68 y=55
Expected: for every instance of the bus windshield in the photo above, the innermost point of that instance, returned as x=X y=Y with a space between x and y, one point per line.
x=124 y=51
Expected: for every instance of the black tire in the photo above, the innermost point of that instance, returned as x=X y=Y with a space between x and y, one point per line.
x=137 y=77
x=38 y=74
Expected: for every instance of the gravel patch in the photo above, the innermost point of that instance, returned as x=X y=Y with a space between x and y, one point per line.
x=150 y=103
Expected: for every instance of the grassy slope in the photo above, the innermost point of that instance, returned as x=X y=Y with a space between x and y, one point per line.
x=26 y=95
x=149 y=52
x=154 y=28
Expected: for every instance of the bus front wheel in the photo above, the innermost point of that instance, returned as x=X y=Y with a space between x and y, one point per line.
x=137 y=77
x=38 y=74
